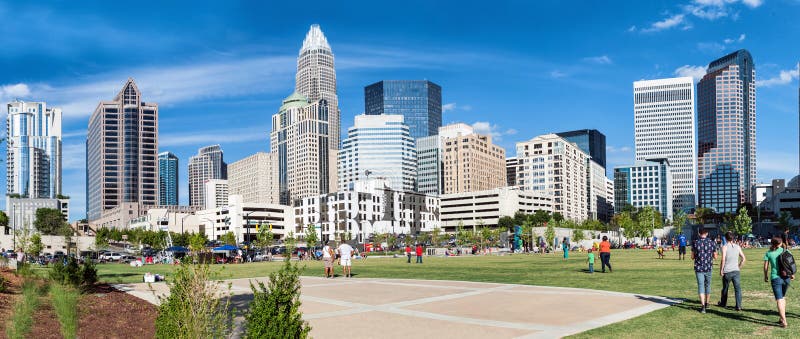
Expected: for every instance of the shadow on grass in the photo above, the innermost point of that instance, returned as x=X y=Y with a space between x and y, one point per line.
x=694 y=306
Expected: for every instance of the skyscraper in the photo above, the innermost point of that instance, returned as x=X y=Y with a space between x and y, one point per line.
x=419 y=101
x=121 y=146
x=316 y=79
x=647 y=183
x=664 y=121
x=471 y=161
x=255 y=178
x=33 y=155
x=206 y=165
x=378 y=146
x=167 y=178
x=299 y=137
x=590 y=141
x=430 y=176
x=726 y=132
x=552 y=165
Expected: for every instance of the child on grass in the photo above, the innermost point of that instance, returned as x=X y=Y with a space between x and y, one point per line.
x=590 y=260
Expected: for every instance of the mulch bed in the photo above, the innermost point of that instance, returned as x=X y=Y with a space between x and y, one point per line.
x=103 y=312
x=108 y=313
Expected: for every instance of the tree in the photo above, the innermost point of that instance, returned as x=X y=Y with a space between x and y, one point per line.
x=742 y=224
x=291 y=243
x=436 y=236
x=527 y=234
x=539 y=217
x=577 y=235
x=519 y=217
x=423 y=237
x=550 y=233
x=275 y=310
x=3 y=219
x=265 y=238
x=785 y=221
x=485 y=235
x=703 y=215
x=506 y=222
x=36 y=245
x=648 y=219
x=558 y=217
x=228 y=238
x=678 y=221
x=197 y=242
x=50 y=221
x=624 y=221
x=311 y=237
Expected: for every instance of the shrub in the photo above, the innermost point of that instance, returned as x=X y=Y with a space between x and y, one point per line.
x=193 y=308
x=73 y=274
x=275 y=310
x=2 y=284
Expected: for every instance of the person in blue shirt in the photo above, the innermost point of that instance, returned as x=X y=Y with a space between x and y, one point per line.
x=682 y=247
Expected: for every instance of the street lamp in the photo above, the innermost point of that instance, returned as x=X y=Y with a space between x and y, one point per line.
x=247 y=224
x=212 y=227
x=182 y=219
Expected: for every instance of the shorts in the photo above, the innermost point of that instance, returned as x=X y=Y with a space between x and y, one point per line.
x=328 y=262
x=703 y=282
x=682 y=250
x=779 y=287
x=345 y=262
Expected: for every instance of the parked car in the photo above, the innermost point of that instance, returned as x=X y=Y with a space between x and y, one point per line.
x=111 y=256
x=128 y=258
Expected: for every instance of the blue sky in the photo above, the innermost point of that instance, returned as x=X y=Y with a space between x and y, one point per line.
x=516 y=69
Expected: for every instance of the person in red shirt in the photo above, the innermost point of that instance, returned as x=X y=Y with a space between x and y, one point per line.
x=408 y=252
x=419 y=253
x=605 y=254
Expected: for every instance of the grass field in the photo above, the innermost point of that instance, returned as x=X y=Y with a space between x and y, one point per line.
x=635 y=271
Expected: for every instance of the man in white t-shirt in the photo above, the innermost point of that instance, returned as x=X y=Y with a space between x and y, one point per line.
x=345 y=257
x=327 y=258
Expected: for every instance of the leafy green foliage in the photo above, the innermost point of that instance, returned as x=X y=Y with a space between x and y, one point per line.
x=550 y=233
x=704 y=215
x=228 y=239
x=506 y=222
x=50 y=221
x=36 y=245
x=742 y=224
x=678 y=221
x=21 y=319
x=311 y=236
x=65 y=304
x=197 y=242
x=578 y=235
x=193 y=308
x=73 y=274
x=275 y=309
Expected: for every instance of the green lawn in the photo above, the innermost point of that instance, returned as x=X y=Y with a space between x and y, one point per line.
x=635 y=271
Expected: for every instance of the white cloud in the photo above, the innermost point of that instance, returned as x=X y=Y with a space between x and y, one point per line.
x=493 y=130
x=557 y=74
x=453 y=107
x=783 y=78
x=73 y=156
x=602 y=60
x=10 y=92
x=511 y=131
x=621 y=149
x=729 y=41
x=696 y=72
x=212 y=137
x=776 y=164
x=666 y=23
x=704 y=9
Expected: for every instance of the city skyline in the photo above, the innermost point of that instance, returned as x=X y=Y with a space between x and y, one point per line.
x=388 y=52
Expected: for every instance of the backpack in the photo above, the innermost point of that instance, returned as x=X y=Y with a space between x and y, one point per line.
x=786 y=265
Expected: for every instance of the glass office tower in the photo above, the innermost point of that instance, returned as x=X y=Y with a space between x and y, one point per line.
x=167 y=178
x=726 y=132
x=590 y=141
x=418 y=101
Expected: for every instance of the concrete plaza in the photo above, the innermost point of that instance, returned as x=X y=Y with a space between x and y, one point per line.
x=398 y=308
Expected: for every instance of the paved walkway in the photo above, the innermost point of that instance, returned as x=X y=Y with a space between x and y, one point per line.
x=394 y=308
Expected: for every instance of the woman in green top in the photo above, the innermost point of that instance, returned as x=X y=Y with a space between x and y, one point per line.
x=779 y=284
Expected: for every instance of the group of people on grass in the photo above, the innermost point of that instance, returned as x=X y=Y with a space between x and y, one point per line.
x=704 y=253
x=345 y=253
x=604 y=247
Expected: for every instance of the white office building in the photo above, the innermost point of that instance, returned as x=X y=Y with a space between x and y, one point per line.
x=551 y=165
x=665 y=127
x=216 y=193
x=430 y=179
x=485 y=208
x=378 y=146
x=33 y=155
x=244 y=219
x=368 y=208
x=22 y=212
x=255 y=178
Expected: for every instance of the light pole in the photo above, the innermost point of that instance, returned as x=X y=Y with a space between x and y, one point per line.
x=247 y=224
x=212 y=227
x=182 y=219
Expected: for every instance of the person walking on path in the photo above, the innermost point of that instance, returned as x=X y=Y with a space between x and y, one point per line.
x=605 y=254
x=419 y=253
x=703 y=252
x=590 y=260
x=327 y=258
x=729 y=269
x=682 y=247
x=565 y=248
x=408 y=252
x=772 y=275
x=345 y=258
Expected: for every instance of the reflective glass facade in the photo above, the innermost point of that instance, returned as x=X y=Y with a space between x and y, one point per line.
x=167 y=179
x=590 y=141
x=647 y=183
x=33 y=158
x=726 y=132
x=418 y=101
